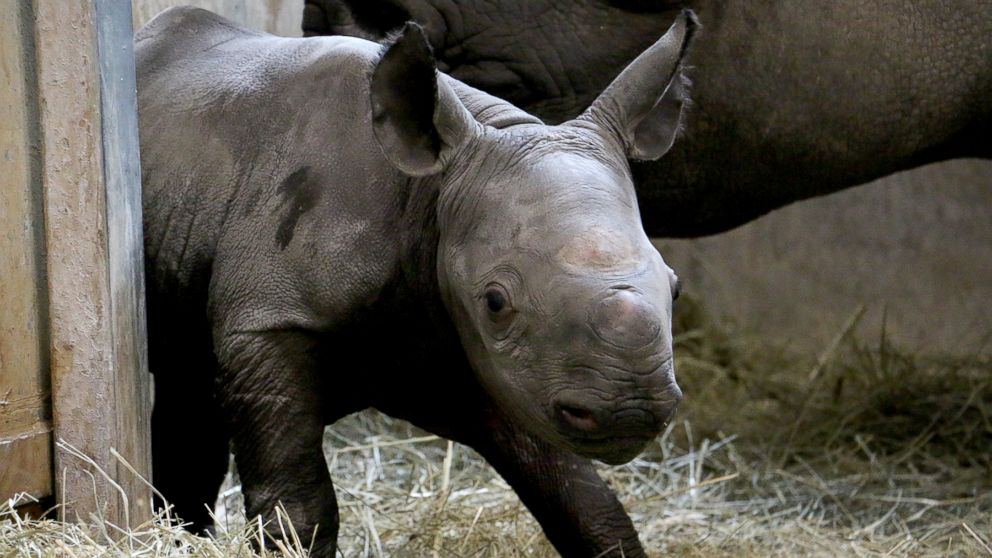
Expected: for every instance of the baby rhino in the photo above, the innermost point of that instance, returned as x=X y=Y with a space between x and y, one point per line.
x=331 y=225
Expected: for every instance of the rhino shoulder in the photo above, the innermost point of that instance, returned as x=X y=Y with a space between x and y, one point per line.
x=184 y=24
x=195 y=62
x=178 y=34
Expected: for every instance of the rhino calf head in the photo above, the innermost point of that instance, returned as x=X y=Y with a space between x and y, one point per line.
x=562 y=304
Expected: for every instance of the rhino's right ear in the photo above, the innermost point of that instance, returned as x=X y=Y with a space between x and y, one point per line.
x=643 y=106
x=417 y=119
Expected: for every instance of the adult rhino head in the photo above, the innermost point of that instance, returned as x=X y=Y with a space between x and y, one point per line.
x=561 y=303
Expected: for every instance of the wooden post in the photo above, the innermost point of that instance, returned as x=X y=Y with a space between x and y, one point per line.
x=92 y=207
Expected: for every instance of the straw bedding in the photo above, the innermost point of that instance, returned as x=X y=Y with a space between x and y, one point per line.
x=856 y=451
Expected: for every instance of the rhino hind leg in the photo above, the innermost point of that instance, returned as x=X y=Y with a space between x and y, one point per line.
x=269 y=390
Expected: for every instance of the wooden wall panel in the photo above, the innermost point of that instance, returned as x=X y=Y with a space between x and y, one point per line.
x=26 y=463
x=25 y=411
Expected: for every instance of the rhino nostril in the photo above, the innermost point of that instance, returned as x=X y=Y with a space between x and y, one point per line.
x=577 y=418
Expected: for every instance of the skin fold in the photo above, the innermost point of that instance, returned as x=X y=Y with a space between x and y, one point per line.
x=333 y=225
x=791 y=99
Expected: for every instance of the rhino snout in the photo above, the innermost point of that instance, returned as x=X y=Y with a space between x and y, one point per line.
x=617 y=431
x=625 y=318
x=627 y=419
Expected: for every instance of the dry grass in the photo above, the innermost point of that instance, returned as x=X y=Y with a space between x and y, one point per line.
x=858 y=451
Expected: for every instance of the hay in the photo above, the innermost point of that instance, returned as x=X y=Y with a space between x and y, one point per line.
x=858 y=451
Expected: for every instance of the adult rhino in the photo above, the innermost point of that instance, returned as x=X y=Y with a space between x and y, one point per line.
x=793 y=99
x=332 y=225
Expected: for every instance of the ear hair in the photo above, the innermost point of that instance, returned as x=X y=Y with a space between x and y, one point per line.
x=396 y=34
x=685 y=96
x=661 y=127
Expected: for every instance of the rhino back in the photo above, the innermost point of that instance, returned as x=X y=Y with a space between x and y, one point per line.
x=263 y=187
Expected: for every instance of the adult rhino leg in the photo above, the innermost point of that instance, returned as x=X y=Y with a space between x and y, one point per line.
x=270 y=393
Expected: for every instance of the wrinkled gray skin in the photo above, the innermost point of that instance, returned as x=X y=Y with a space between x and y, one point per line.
x=793 y=99
x=404 y=242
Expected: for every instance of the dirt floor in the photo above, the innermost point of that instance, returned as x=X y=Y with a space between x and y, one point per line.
x=856 y=451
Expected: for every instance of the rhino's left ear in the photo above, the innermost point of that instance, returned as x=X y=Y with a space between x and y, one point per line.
x=643 y=105
x=417 y=119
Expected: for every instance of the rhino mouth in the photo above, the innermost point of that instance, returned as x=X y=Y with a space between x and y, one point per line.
x=613 y=450
x=612 y=447
x=613 y=435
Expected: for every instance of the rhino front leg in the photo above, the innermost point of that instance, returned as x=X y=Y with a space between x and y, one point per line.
x=578 y=511
x=271 y=396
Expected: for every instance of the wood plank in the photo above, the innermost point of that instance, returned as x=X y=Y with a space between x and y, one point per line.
x=99 y=384
x=24 y=382
x=27 y=465
x=125 y=244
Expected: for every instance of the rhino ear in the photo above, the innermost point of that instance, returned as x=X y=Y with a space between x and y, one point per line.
x=643 y=105
x=417 y=119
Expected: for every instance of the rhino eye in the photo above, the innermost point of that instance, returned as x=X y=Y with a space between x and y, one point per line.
x=677 y=289
x=495 y=301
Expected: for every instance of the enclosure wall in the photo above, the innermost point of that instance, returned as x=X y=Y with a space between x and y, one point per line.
x=25 y=389
x=74 y=384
